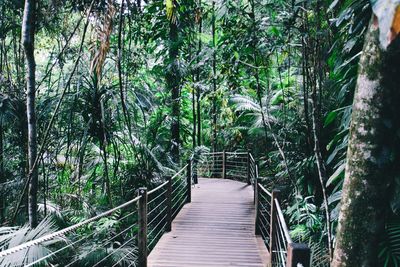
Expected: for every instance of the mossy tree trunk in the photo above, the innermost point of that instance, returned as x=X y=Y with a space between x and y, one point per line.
x=372 y=156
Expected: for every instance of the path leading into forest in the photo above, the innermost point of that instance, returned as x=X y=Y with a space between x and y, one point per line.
x=215 y=229
x=188 y=222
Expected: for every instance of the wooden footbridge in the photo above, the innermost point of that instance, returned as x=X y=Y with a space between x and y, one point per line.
x=213 y=212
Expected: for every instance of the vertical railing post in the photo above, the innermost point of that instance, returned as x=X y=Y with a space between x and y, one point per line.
x=224 y=165
x=248 y=168
x=298 y=254
x=195 y=170
x=256 y=185
x=273 y=224
x=257 y=207
x=142 y=223
x=189 y=181
x=168 y=199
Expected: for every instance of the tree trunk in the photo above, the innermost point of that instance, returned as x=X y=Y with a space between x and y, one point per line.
x=372 y=155
x=194 y=118
x=173 y=84
x=119 y=65
x=28 y=35
x=320 y=164
x=214 y=68
x=190 y=58
x=2 y=175
x=198 y=103
x=103 y=147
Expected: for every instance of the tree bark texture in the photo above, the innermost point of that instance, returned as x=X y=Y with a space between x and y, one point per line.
x=372 y=155
x=28 y=41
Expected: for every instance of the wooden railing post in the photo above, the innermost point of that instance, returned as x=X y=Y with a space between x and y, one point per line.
x=273 y=224
x=195 y=177
x=189 y=181
x=224 y=165
x=168 y=199
x=142 y=224
x=248 y=168
x=256 y=185
x=298 y=254
x=257 y=207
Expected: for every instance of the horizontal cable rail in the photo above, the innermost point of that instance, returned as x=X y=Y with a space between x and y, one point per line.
x=233 y=165
x=139 y=225
x=270 y=223
x=62 y=243
x=271 y=226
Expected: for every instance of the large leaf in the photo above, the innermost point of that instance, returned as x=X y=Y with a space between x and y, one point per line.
x=330 y=117
x=338 y=173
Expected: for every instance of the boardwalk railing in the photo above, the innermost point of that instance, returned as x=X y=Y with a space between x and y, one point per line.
x=122 y=236
x=269 y=222
x=233 y=165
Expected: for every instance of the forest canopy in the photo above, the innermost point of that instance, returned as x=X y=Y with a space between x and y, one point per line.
x=101 y=97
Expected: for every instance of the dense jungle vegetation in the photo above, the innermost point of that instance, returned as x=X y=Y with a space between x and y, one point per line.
x=100 y=97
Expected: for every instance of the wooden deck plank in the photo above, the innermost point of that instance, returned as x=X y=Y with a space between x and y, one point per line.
x=216 y=229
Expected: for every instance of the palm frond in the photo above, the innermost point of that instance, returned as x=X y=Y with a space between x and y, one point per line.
x=14 y=236
x=389 y=248
x=245 y=103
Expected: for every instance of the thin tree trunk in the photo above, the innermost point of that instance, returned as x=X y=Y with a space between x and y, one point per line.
x=28 y=35
x=119 y=64
x=44 y=186
x=372 y=154
x=194 y=125
x=47 y=132
x=305 y=95
x=173 y=84
x=256 y=70
x=194 y=118
x=214 y=68
x=198 y=88
x=320 y=165
x=2 y=175
x=316 y=125
x=103 y=145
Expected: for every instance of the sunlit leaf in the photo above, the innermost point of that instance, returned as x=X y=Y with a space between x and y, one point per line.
x=330 y=118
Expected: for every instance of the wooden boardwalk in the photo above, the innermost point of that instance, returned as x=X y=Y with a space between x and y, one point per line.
x=216 y=229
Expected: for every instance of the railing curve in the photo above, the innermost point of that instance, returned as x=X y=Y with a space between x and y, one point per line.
x=270 y=223
x=143 y=220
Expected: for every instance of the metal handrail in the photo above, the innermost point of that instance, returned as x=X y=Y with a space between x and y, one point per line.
x=180 y=171
x=157 y=188
x=160 y=224
x=283 y=223
x=176 y=191
x=265 y=190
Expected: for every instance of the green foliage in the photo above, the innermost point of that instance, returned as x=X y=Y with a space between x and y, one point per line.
x=14 y=236
x=389 y=248
x=112 y=134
